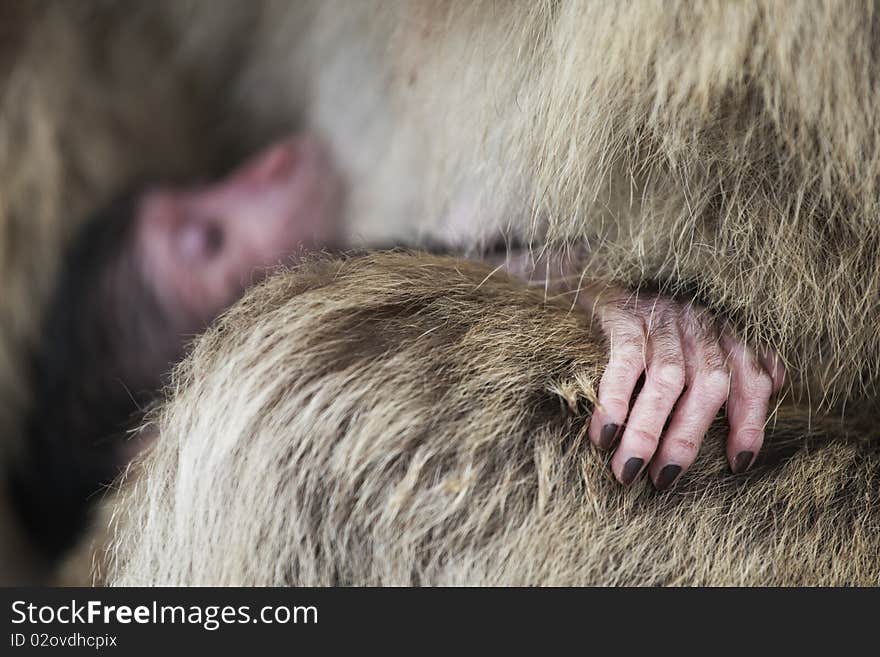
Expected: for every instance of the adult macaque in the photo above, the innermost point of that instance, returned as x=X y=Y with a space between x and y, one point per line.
x=141 y=279
x=724 y=151
x=287 y=425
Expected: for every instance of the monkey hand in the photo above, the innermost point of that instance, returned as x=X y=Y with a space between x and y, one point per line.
x=691 y=367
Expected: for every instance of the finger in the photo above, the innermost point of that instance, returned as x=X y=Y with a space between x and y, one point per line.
x=625 y=365
x=693 y=416
x=750 y=390
x=664 y=382
x=707 y=388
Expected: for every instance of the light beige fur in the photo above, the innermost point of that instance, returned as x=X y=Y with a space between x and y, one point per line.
x=301 y=447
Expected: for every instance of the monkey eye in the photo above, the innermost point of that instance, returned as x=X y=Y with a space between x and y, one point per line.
x=201 y=240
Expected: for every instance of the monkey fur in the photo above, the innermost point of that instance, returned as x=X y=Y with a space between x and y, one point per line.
x=314 y=469
x=725 y=151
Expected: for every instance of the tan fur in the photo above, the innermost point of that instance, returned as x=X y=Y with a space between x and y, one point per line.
x=301 y=447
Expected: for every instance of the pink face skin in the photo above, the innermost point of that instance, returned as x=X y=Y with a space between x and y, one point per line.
x=200 y=247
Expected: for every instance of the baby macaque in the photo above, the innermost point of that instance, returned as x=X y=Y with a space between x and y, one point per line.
x=141 y=279
x=149 y=273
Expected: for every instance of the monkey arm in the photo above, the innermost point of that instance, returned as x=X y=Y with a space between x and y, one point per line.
x=408 y=420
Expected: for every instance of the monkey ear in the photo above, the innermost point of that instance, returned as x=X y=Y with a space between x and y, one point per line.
x=273 y=163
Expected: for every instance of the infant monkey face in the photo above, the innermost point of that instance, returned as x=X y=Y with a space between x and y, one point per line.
x=202 y=246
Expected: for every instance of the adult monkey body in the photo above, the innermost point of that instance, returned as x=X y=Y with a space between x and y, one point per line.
x=745 y=173
x=325 y=475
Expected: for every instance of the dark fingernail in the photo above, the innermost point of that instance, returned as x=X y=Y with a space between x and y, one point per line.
x=631 y=469
x=667 y=476
x=742 y=461
x=607 y=436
